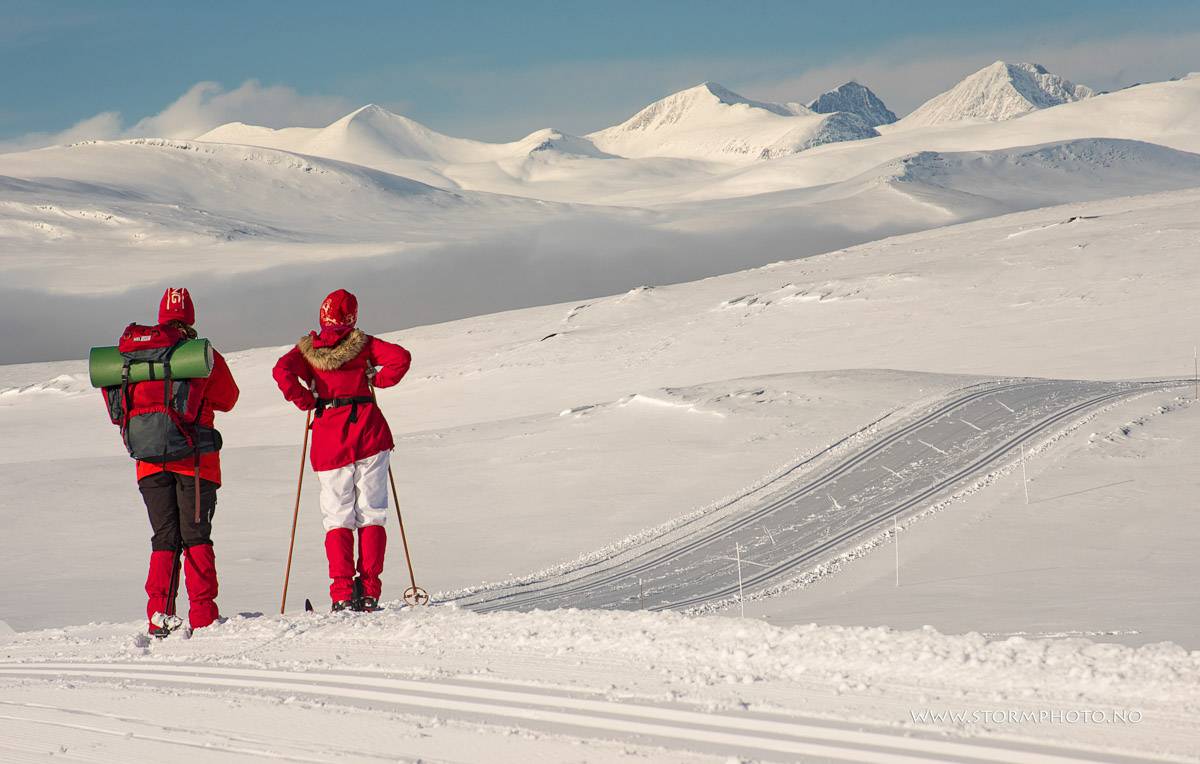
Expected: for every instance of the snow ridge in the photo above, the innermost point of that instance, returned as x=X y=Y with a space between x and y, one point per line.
x=834 y=128
x=996 y=93
x=853 y=98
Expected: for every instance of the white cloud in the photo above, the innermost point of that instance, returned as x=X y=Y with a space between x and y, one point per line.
x=204 y=106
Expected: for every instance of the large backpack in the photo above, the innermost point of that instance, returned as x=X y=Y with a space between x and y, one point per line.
x=159 y=418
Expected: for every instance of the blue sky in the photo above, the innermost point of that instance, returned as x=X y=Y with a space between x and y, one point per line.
x=500 y=70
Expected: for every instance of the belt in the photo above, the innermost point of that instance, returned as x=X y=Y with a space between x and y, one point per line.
x=326 y=403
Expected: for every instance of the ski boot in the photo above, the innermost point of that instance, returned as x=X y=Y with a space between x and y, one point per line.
x=368 y=605
x=356 y=598
x=341 y=605
x=162 y=624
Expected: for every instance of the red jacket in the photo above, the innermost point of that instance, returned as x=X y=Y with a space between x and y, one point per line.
x=335 y=363
x=220 y=394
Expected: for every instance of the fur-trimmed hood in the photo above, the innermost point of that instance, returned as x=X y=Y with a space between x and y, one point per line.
x=336 y=356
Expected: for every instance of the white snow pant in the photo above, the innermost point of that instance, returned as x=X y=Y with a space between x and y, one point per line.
x=356 y=495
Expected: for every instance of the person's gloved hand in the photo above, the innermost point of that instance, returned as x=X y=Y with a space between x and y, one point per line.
x=306 y=402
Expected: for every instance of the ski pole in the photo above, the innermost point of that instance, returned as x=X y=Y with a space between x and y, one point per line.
x=287 y=574
x=414 y=595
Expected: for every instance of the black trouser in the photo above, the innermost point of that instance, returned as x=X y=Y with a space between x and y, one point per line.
x=171 y=503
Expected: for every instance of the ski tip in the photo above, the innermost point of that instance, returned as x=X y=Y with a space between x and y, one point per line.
x=308 y=608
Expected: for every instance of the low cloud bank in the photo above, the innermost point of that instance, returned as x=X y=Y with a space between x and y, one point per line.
x=543 y=265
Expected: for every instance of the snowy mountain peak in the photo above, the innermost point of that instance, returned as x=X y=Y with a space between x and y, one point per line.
x=730 y=98
x=711 y=122
x=376 y=116
x=368 y=109
x=857 y=99
x=705 y=101
x=552 y=141
x=998 y=92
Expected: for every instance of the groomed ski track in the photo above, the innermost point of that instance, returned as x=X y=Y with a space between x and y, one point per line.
x=824 y=506
x=763 y=736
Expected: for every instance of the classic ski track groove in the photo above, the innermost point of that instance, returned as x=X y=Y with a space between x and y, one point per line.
x=775 y=735
x=623 y=571
x=141 y=736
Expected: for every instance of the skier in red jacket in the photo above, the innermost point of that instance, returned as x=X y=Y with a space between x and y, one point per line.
x=351 y=441
x=169 y=490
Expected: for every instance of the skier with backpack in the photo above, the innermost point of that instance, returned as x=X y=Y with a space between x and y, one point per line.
x=332 y=372
x=167 y=426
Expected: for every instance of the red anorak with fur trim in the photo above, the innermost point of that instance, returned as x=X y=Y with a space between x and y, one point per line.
x=335 y=363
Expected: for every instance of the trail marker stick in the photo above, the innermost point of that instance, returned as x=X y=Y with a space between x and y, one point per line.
x=1024 y=474
x=896 y=543
x=737 y=550
x=741 y=598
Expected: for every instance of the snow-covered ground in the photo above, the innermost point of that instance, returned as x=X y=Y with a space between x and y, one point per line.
x=927 y=302
x=533 y=437
x=580 y=686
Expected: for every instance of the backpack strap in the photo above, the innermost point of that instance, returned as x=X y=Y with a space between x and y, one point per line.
x=126 y=396
x=166 y=404
x=196 y=476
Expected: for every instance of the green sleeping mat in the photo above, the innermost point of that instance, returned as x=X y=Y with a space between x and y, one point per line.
x=192 y=359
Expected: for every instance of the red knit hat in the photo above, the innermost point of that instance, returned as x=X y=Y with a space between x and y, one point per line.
x=339 y=309
x=176 y=305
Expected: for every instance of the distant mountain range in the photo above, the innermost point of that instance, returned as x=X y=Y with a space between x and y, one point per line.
x=708 y=122
x=701 y=182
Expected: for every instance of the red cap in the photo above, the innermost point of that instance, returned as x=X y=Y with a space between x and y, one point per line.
x=176 y=305
x=339 y=309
